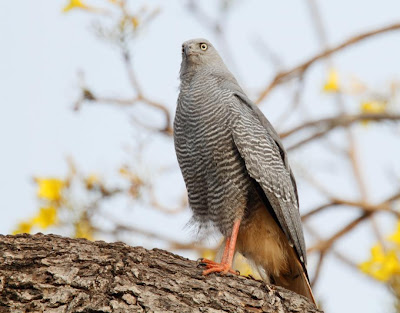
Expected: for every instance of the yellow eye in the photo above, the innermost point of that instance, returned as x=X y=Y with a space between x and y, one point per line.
x=203 y=47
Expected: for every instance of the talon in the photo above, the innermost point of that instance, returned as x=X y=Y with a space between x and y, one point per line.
x=218 y=268
x=208 y=262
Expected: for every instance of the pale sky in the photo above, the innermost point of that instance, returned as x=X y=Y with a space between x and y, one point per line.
x=43 y=49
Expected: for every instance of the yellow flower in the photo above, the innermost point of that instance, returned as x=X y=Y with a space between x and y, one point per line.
x=50 y=188
x=388 y=268
x=74 y=4
x=382 y=266
x=46 y=217
x=116 y=2
x=91 y=181
x=23 y=227
x=135 y=22
x=377 y=253
x=332 y=82
x=395 y=237
x=209 y=254
x=241 y=264
x=373 y=106
x=83 y=228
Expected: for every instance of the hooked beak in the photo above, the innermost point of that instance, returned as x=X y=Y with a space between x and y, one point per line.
x=188 y=50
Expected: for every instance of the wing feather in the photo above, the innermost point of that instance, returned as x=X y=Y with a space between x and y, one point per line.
x=261 y=150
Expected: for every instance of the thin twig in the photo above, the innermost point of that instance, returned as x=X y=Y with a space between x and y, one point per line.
x=329 y=124
x=300 y=69
x=340 y=120
x=339 y=202
x=326 y=244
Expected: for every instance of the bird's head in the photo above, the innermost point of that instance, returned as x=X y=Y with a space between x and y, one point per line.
x=197 y=53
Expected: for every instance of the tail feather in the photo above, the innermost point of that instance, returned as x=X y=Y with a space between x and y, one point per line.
x=263 y=242
x=296 y=279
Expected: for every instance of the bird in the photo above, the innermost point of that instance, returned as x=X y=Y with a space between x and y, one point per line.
x=237 y=173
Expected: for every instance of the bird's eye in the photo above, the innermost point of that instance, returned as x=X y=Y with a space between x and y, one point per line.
x=183 y=49
x=203 y=46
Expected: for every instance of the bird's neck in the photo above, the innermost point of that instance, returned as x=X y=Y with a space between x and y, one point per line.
x=187 y=74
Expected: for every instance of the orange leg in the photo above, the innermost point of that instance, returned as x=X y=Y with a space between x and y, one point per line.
x=224 y=255
x=227 y=258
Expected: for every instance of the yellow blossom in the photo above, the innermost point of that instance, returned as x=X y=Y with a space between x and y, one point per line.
x=332 y=82
x=372 y=107
x=91 y=181
x=395 y=237
x=209 y=254
x=241 y=264
x=382 y=265
x=135 y=22
x=50 y=188
x=116 y=2
x=46 y=217
x=83 y=228
x=75 y=4
x=23 y=227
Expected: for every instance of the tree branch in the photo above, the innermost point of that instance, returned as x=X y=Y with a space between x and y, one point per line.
x=328 y=124
x=341 y=120
x=54 y=274
x=367 y=207
x=326 y=244
x=300 y=69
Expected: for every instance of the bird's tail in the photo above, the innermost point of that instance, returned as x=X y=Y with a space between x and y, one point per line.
x=296 y=279
x=265 y=245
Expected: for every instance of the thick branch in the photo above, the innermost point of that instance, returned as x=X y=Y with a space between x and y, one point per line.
x=48 y=273
x=300 y=69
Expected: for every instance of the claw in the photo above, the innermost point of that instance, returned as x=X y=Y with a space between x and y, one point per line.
x=208 y=262
x=213 y=267
x=226 y=263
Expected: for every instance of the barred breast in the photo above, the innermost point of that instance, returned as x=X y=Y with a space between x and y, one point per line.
x=216 y=178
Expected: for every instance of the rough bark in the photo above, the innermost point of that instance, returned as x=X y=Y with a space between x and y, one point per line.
x=48 y=273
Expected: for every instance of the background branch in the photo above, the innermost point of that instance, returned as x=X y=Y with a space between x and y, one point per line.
x=300 y=69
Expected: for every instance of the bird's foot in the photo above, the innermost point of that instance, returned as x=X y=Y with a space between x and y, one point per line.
x=214 y=267
x=208 y=262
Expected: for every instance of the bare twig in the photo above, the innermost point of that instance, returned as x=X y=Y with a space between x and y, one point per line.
x=318 y=269
x=340 y=120
x=326 y=244
x=140 y=97
x=340 y=256
x=329 y=124
x=300 y=69
x=364 y=206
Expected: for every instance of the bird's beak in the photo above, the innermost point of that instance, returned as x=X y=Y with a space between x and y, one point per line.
x=188 y=49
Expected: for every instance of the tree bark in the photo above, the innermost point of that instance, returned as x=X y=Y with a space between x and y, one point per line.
x=49 y=273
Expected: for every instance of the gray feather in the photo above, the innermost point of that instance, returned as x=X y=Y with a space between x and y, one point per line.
x=223 y=143
x=265 y=164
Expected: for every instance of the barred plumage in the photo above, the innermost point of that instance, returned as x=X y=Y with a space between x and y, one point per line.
x=235 y=167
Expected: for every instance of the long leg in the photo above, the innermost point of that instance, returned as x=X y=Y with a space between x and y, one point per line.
x=227 y=258
x=224 y=255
